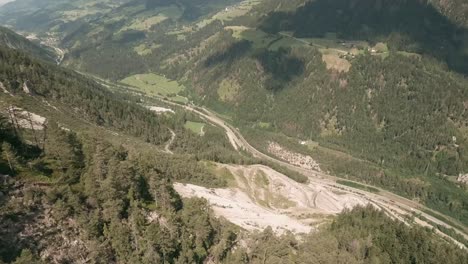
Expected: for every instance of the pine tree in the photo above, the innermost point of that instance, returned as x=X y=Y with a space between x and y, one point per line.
x=9 y=154
x=27 y=257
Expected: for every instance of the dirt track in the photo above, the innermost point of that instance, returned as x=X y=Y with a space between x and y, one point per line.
x=167 y=148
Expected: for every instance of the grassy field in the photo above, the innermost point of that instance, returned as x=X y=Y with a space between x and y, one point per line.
x=142 y=50
x=222 y=173
x=144 y=23
x=285 y=42
x=179 y=99
x=180 y=32
x=259 y=38
x=73 y=15
x=195 y=127
x=264 y=125
x=229 y=13
x=145 y=49
x=153 y=84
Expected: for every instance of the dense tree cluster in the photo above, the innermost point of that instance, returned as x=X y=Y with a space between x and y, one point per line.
x=402 y=117
x=362 y=235
x=89 y=99
x=120 y=207
x=112 y=196
x=11 y=39
x=396 y=121
x=429 y=32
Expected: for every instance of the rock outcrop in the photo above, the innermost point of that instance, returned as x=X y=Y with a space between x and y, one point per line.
x=293 y=158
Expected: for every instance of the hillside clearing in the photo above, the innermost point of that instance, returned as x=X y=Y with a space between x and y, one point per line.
x=334 y=62
x=153 y=84
x=195 y=127
x=145 y=49
x=230 y=12
x=145 y=23
x=260 y=197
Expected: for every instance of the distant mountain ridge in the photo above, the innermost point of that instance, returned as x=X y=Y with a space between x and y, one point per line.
x=409 y=25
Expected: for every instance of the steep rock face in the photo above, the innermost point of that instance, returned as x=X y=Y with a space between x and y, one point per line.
x=36 y=226
x=463 y=178
x=297 y=159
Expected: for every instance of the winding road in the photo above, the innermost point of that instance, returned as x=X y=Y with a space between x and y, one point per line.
x=394 y=205
x=397 y=207
x=167 y=148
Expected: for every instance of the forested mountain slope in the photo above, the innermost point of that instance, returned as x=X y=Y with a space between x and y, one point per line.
x=10 y=39
x=93 y=184
x=455 y=10
x=65 y=16
x=42 y=15
x=361 y=79
x=92 y=101
x=109 y=38
x=76 y=157
x=412 y=26
x=80 y=199
x=26 y=81
x=379 y=81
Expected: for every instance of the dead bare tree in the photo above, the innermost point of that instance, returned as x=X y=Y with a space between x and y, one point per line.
x=45 y=137
x=12 y=121
x=32 y=128
x=15 y=120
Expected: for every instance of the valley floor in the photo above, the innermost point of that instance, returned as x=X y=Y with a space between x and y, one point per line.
x=262 y=197
x=395 y=206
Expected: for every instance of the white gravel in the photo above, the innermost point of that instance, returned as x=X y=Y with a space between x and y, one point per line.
x=278 y=202
x=158 y=109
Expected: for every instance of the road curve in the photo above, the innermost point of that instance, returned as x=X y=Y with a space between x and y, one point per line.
x=167 y=148
x=384 y=199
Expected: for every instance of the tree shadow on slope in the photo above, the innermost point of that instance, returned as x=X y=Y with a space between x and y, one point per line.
x=192 y=9
x=279 y=66
x=232 y=53
x=407 y=25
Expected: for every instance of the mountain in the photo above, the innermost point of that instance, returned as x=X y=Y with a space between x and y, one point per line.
x=63 y=15
x=44 y=14
x=81 y=181
x=65 y=135
x=371 y=91
x=108 y=28
x=12 y=40
x=454 y=10
x=366 y=82
x=107 y=152
x=363 y=79
x=391 y=22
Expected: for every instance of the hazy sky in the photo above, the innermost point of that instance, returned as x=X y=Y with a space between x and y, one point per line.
x=5 y=1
